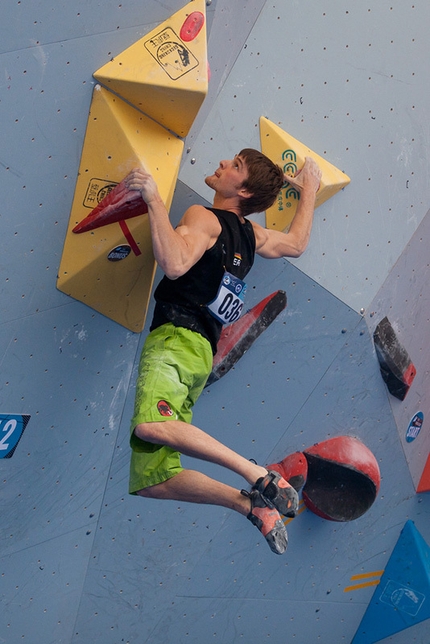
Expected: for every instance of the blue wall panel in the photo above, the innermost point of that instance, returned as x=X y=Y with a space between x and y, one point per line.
x=75 y=400
x=70 y=371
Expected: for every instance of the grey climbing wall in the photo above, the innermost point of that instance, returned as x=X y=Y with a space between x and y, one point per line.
x=81 y=561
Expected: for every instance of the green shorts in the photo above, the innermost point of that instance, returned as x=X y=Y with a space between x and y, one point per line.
x=174 y=366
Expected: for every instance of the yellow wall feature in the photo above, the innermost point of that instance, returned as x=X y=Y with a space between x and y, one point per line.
x=290 y=154
x=161 y=74
x=118 y=138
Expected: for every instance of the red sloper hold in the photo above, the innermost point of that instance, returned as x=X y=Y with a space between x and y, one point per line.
x=343 y=478
x=348 y=451
x=119 y=204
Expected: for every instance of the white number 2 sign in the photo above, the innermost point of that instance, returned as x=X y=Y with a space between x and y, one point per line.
x=11 y=430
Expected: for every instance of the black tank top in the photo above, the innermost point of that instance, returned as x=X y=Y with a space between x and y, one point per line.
x=183 y=301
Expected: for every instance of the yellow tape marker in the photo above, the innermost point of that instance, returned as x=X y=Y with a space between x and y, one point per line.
x=364 y=584
x=165 y=74
x=290 y=154
x=103 y=267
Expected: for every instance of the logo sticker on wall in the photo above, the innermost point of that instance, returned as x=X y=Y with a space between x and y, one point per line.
x=11 y=429
x=97 y=191
x=414 y=427
x=119 y=253
x=171 y=53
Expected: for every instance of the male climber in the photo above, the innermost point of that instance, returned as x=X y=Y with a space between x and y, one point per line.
x=210 y=250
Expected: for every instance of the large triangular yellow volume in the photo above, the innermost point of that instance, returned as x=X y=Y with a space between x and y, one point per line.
x=165 y=73
x=111 y=268
x=290 y=154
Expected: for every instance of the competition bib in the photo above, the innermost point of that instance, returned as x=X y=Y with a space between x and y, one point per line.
x=228 y=304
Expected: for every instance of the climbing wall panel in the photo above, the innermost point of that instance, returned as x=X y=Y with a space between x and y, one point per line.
x=118 y=138
x=165 y=74
x=290 y=154
x=70 y=368
x=310 y=376
x=404 y=298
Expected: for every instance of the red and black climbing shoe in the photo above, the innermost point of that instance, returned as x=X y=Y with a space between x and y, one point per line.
x=277 y=493
x=268 y=521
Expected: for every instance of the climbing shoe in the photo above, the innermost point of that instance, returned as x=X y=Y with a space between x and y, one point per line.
x=277 y=493
x=268 y=521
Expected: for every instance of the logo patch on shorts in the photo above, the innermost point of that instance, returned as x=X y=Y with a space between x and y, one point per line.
x=164 y=408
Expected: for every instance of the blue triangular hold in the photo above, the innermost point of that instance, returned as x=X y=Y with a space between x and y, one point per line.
x=402 y=598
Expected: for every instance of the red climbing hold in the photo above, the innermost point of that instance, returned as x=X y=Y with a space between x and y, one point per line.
x=396 y=367
x=237 y=338
x=119 y=204
x=424 y=484
x=343 y=479
x=192 y=26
